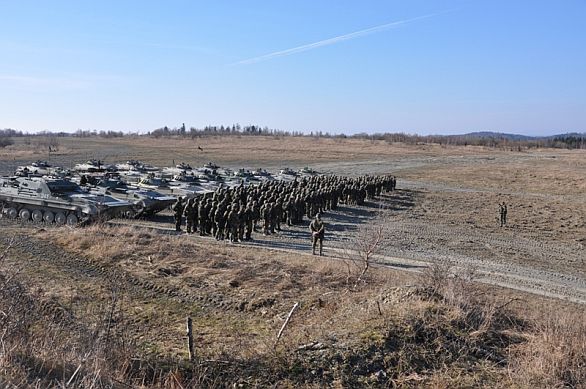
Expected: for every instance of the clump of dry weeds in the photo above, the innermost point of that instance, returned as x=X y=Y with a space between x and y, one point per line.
x=555 y=353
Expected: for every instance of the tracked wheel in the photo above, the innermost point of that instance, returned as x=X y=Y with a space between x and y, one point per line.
x=60 y=218
x=72 y=220
x=49 y=217
x=11 y=212
x=24 y=214
x=37 y=215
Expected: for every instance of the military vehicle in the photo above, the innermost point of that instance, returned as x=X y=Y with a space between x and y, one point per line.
x=263 y=175
x=180 y=168
x=135 y=165
x=55 y=200
x=36 y=168
x=41 y=168
x=308 y=172
x=151 y=182
x=94 y=166
x=145 y=202
x=286 y=174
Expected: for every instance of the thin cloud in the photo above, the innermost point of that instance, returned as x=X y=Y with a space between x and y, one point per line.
x=331 y=41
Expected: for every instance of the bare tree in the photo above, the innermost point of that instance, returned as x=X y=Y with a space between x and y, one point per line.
x=370 y=240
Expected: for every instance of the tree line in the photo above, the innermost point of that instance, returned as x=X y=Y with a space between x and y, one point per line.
x=491 y=140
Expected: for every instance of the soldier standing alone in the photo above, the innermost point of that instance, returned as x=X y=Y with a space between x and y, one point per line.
x=317 y=229
x=503 y=212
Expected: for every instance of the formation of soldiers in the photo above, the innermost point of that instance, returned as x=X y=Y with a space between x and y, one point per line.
x=235 y=213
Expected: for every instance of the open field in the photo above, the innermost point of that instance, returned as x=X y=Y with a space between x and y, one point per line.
x=420 y=320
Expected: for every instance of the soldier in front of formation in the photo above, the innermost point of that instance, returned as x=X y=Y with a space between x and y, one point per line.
x=317 y=229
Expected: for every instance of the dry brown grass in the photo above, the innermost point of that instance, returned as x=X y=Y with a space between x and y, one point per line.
x=437 y=332
x=440 y=331
x=555 y=353
x=249 y=151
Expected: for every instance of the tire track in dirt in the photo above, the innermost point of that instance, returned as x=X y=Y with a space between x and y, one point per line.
x=38 y=250
x=505 y=274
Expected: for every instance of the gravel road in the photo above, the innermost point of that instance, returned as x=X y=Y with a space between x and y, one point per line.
x=415 y=244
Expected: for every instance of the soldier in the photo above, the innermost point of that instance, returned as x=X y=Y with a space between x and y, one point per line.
x=220 y=221
x=503 y=213
x=188 y=212
x=317 y=229
x=255 y=215
x=233 y=223
x=203 y=216
x=178 y=212
x=241 y=222
x=209 y=221
x=276 y=216
x=249 y=215
x=266 y=212
x=195 y=216
x=290 y=209
x=212 y=214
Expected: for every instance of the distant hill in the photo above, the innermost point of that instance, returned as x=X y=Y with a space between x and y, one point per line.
x=500 y=135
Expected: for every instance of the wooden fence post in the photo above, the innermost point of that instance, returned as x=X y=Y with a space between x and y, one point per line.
x=190 y=346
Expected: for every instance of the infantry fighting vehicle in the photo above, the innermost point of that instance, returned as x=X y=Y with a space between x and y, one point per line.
x=94 y=166
x=41 y=168
x=286 y=174
x=181 y=168
x=55 y=200
x=308 y=172
x=145 y=202
x=36 y=168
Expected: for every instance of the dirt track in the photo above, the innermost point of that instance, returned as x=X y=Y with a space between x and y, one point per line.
x=416 y=244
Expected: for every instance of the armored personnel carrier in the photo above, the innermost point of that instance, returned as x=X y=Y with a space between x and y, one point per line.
x=94 y=166
x=55 y=200
x=145 y=202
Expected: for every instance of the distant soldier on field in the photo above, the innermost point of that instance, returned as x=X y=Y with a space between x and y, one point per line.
x=503 y=213
x=178 y=212
x=317 y=229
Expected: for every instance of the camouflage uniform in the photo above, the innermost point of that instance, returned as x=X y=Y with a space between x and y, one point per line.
x=220 y=222
x=266 y=212
x=203 y=217
x=178 y=212
x=317 y=229
x=248 y=216
x=241 y=223
x=233 y=222
x=189 y=212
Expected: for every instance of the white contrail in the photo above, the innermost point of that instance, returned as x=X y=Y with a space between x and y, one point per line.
x=330 y=41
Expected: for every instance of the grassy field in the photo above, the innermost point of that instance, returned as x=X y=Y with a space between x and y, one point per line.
x=106 y=305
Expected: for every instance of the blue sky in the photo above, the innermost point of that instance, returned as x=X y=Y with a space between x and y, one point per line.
x=423 y=67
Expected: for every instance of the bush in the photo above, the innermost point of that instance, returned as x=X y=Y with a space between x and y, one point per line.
x=5 y=141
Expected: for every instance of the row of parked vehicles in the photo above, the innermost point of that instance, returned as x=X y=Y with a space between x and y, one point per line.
x=94 y=190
